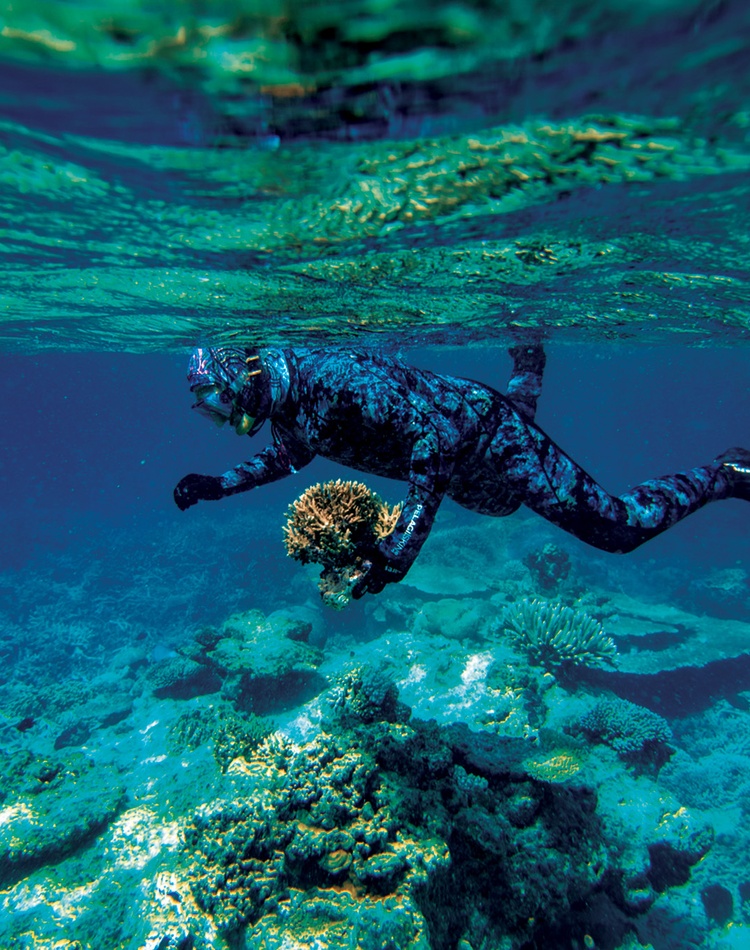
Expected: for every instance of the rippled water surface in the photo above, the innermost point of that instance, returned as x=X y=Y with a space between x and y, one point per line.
x=436 y=175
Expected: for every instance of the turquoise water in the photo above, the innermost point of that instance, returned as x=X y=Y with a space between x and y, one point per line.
x=196 y=751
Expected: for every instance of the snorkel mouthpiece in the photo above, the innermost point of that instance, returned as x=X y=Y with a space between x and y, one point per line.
x=244 y=425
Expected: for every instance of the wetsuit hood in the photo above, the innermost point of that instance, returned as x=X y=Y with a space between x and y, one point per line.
x=237 y=384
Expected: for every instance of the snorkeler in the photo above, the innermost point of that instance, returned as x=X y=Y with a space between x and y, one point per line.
x=442 y=434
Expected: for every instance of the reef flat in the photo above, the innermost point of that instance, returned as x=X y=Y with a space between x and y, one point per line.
x=421 y=773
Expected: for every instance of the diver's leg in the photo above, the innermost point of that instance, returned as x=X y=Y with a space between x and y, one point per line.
x=525 y=385
x=554 y=486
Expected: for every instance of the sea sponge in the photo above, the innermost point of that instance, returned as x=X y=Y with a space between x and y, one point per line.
x=555 y=636
x=331 y=524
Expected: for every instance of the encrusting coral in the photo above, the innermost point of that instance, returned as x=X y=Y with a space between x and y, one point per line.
x=555 y=636
x=331 y=524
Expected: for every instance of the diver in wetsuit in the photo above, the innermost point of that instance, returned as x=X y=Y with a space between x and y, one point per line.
x=443 y=435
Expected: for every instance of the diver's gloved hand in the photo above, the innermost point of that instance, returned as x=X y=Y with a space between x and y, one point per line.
x=194 y=488
x=382 y=571
x=528 y=357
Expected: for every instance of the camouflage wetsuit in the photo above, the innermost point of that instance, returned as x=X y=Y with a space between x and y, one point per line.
x=450 y=436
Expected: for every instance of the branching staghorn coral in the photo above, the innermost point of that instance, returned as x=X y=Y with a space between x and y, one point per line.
x=555 y=636
x=331 y=524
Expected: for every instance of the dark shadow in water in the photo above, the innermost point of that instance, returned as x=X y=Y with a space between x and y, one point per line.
x=678 y=693
x=656 y=642
x=267 y=695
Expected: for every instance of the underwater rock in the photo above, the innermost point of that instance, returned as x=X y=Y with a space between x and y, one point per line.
x=657 y=840
x=365 y=694
x=164 y=920
x=74 y=735
x=654 y=638
x=483 y=753
x=684 y=840
x=548 y=567
x=263 y=663
x=27 y=773
x=99 y=712
x=179 y=677
x=463 y=618
x=45 y=699
x=724 y=592
x=718 y=903
x=46 y=828
x=718 y=780
x=478 y=557
x=293 y=628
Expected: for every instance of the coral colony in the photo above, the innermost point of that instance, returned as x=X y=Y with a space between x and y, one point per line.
x=330 y=524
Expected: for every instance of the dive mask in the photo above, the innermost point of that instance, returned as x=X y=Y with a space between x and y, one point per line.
x=218 y=376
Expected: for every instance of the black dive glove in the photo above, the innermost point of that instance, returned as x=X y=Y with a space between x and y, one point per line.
x=382 y=571
x=194 y=488
x=528 y=358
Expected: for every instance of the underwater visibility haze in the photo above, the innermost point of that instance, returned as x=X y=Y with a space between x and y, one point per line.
x=526 y=742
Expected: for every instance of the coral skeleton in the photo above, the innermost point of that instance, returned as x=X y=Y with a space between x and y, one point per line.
x=332 y=524
x=555 y=636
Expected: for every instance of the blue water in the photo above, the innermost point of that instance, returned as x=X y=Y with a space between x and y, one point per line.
x=101 y=439
x=151 y=207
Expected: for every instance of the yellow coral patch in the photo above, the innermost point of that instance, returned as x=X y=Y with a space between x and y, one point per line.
x=554 y=768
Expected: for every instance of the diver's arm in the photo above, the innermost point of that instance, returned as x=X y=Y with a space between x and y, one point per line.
x=432 y=463
x=274 y=462
x=525 y=384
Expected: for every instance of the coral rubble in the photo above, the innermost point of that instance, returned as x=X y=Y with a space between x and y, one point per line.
x=67 y=807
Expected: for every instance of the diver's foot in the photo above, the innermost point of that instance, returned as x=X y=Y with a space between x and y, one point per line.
x=736 y=465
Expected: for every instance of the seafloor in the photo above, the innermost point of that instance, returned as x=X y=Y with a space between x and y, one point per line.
x=404 y=773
